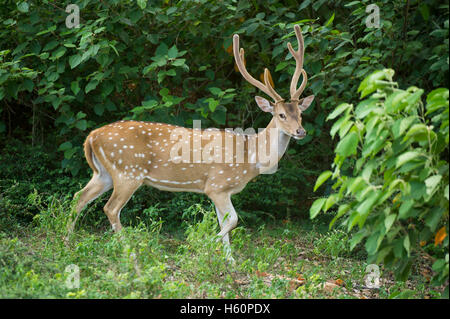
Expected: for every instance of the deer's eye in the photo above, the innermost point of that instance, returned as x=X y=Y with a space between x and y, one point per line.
x=282 y=116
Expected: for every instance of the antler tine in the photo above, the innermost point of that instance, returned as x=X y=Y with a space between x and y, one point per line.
x=269 y=86
x=298 y=56
x=239 y=57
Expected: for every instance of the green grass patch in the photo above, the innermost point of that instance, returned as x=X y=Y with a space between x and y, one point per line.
x=286 y=259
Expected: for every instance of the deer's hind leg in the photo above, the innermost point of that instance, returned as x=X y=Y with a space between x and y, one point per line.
x=100 y=183
x=121 y=195
x=97 y=186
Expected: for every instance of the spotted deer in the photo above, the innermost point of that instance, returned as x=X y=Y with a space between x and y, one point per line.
x=128 y=154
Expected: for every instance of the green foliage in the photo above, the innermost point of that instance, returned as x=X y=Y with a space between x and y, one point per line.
x=167 y=62
x=391 y=174
x=143 y=262
x=170 y=61
x=334 y=244
x=202 y=252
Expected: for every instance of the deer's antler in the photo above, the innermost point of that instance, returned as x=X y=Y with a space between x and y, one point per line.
x=298 y=56
x=266 y=88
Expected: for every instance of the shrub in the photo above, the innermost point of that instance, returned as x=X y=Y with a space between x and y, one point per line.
x=391 y=174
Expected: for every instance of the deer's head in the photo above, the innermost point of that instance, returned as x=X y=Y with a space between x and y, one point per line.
x=287 y=115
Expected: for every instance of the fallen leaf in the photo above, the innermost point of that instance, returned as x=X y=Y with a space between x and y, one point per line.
x=329 y=286
x=339 y=282
x=440 y=236
x=261 y=273
x=241 y=282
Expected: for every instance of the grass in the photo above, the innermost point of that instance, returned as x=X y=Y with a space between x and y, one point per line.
x=283 y=259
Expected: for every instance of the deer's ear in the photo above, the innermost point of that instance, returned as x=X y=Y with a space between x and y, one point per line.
x=263 y=104
x=306 y=102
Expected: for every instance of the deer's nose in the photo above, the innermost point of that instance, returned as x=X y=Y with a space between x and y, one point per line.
x=301 y=132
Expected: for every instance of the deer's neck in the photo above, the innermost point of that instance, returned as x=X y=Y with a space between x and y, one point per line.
x=277 y=141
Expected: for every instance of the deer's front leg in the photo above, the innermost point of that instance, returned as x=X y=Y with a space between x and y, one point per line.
x=227 y=217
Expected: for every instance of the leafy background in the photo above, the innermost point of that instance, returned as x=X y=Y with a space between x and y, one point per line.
x=170 y=61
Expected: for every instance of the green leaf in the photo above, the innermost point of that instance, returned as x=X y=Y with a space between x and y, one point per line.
x=406 y=157
x=366 y=206
x=179 y=62
x=99 y=108
x=418 y=189
x=418 y=131
x=407 y=245
x=91 y=85
x=81 y=125
x=345 y=127
x=396 y=101
x=171 y=72
x=59 y=52
x=341 y=211
x=405 y=209
x=51 y=45
x=372 y=243
x=51 y=29
x=338 y=110
x=330 y=21
x=220 y=115
x=389 y=221
x=424 y=11
x=69 y=153
x=316 y=207
x=65 y=146
x=214 y=90
x=150 y=103
x=173 y=52
x=164 y=92
x=432 y=183
x=356 y=184
x=322 y=178
x=28 y=85
x=23 y=6
x=433 y=218
x=281 y=66
x=372 y=82
x=161 y=76
x=162 y=49
x=74 y=86
x=366 y=107
x=212 y=104
x=357 y=238
x=331 y=200
x=348 y=145
x=401 y=125
x=142 y=4
x=74 y=60
x=338 y=124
